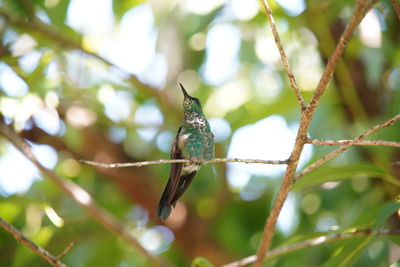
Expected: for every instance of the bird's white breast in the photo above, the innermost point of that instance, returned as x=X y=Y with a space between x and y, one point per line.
x=189 y=168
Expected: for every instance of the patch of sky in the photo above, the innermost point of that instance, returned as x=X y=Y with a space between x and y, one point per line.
x=117 y=134
x=133 y=48
x=118 y=106
x=269 y=138
x=150 y=117
x=18 y=173
x=86 y=16
x=220 y=128
x=29 y=61
x=48 y=120
x=157 y=239
x=9 y=36
x=164 y=141
x=11 y=83
x=222 y=47
x=293 y=7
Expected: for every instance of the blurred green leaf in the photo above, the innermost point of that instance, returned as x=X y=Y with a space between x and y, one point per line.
x=395 y=239
x=16 y=6
x=120 y=7
x=337 y=173
x=385 y=212
x=9 y=210
x=24 y=256
x=58 y=13
x=43 y=236
x=348 y=252
x=201 y=262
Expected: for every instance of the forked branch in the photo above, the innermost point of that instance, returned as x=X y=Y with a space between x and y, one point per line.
x=30 y=244
x=359 y=12
x=343 y=148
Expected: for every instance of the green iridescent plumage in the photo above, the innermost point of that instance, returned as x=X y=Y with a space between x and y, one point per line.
x=194 y=141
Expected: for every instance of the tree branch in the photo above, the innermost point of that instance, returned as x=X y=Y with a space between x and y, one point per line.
x=279 y=45
x=66 y=250
x=358 y=15
x=312 y=243
x=80 y=196
x=19 y=236
x=396 y=7
x=340 y=150
x=287 y=182
x=352 y=142
x=165 y=161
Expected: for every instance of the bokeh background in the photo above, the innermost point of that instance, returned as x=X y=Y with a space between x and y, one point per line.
x=98 y=80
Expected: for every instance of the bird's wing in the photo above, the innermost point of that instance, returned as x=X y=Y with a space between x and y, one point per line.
x=183 y=185
x=176 y=168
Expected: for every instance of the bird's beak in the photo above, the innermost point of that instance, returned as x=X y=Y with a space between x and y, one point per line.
x=184 y=91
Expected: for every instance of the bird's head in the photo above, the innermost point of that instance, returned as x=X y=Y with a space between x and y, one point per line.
x=191 y=104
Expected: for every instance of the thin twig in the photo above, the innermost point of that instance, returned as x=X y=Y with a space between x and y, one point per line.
x=352 y=142
x=285 y=62
x=312 y=243
x=19 y=236
x=287 y=182
x=340 y=150
x=80 y=196
x=166 y=161
x=66 y=250
x=396 y=7
x=369 y=6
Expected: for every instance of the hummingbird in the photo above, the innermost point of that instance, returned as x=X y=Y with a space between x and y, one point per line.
x=194 y=142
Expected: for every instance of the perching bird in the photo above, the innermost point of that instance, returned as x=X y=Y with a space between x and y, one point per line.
x=195 y=142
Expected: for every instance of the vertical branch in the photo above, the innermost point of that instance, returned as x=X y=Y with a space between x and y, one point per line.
x=396 y=7
x=30 y=244
x=279 y=45
x=80 y=196
x=270 y=223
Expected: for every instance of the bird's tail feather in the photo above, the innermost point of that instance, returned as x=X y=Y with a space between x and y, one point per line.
x=183 y=185
x=164 y=208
